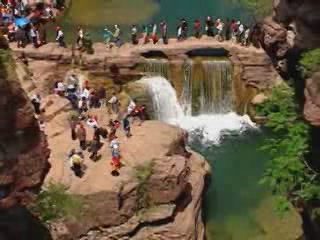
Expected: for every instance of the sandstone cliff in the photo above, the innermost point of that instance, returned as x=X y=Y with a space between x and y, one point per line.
x=158 y=194
x=293 y=29
x=23 y=153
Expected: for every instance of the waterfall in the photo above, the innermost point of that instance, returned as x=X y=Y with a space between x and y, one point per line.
x=208 y=127
x=165 y=102
x=157 y=67
x=215 y=87
x=207 y=87
x=186 y=95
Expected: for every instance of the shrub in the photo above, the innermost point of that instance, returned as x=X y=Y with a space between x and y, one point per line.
x=287 y=173
x=311 y=59
x=142 y=174
x=54 y=202
x=261 y=8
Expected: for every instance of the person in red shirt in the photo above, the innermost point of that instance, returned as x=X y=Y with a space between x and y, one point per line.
x=197 y=28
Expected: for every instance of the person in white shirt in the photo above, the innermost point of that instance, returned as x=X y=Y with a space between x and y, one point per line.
x=80 y=37
x=131 y=107
x=60 y=37
x=114 y=103
x=85 y=93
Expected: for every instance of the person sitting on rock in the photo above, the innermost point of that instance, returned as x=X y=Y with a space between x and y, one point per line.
x=76 y=162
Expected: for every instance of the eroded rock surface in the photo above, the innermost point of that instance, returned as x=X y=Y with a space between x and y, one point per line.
x=123 y=207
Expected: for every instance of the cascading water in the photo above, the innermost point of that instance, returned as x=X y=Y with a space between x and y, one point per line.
x=165 y=102
x=209 y=127
x=206 y=87
x=215 y=87
x=157 y=67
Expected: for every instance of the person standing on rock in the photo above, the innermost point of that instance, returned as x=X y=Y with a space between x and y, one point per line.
x=126 y=126
x=116 y=36
x=60 y=37
x=82 y=136
x=79 y=41
x=36 y=102
x=134 y=35
x=197 y=28
x=154 y=33
x=34 y=37
x=227 y=29
x=164 y=31
x=114 y=103
x=94 y=147
x=73 y=126
x=209 y=27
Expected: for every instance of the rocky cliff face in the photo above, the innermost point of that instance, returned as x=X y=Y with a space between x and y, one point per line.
x=295 y=27
x=158 y=194
x=23 y=151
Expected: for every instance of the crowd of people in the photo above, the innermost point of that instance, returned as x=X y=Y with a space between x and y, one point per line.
x=27 y=24
x=232 y=30
x=83 y=99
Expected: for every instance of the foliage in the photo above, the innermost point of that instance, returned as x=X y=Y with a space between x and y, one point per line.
x=54 y=202
x=261 y=8
x=87 y=44
x=142 y=174
x=7 y=65
x=287 y=173
x=311 y=59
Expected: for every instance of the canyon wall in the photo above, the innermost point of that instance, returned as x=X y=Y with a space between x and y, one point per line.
x=23 y=154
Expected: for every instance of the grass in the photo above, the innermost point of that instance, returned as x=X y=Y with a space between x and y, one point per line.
x=142 y=174
x=55 y=202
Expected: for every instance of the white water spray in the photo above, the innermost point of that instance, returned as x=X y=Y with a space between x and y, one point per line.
x=209 y=127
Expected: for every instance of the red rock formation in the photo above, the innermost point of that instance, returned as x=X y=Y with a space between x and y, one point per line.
x=23 y=148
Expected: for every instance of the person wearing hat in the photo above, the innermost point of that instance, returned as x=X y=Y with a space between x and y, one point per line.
x=60 y=37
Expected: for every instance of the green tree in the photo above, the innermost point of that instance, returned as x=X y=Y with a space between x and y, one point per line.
x=288 y=173
x=311 y=60
x=261 y=8
x=54 y=202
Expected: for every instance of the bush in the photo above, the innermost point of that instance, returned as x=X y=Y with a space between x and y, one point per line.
x=261 y=8
x=311 y=59
x=54 y=202
x=142 y=174
x=287 y=173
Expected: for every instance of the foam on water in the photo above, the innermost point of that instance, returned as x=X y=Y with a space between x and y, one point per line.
x=209 y=128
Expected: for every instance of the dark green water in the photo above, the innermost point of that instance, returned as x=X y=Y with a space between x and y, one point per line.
x=96 y=14
x=236 y=207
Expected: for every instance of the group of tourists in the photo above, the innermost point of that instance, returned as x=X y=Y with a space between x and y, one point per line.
x=232 y=30
x=84 y=98
x=26 y=23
